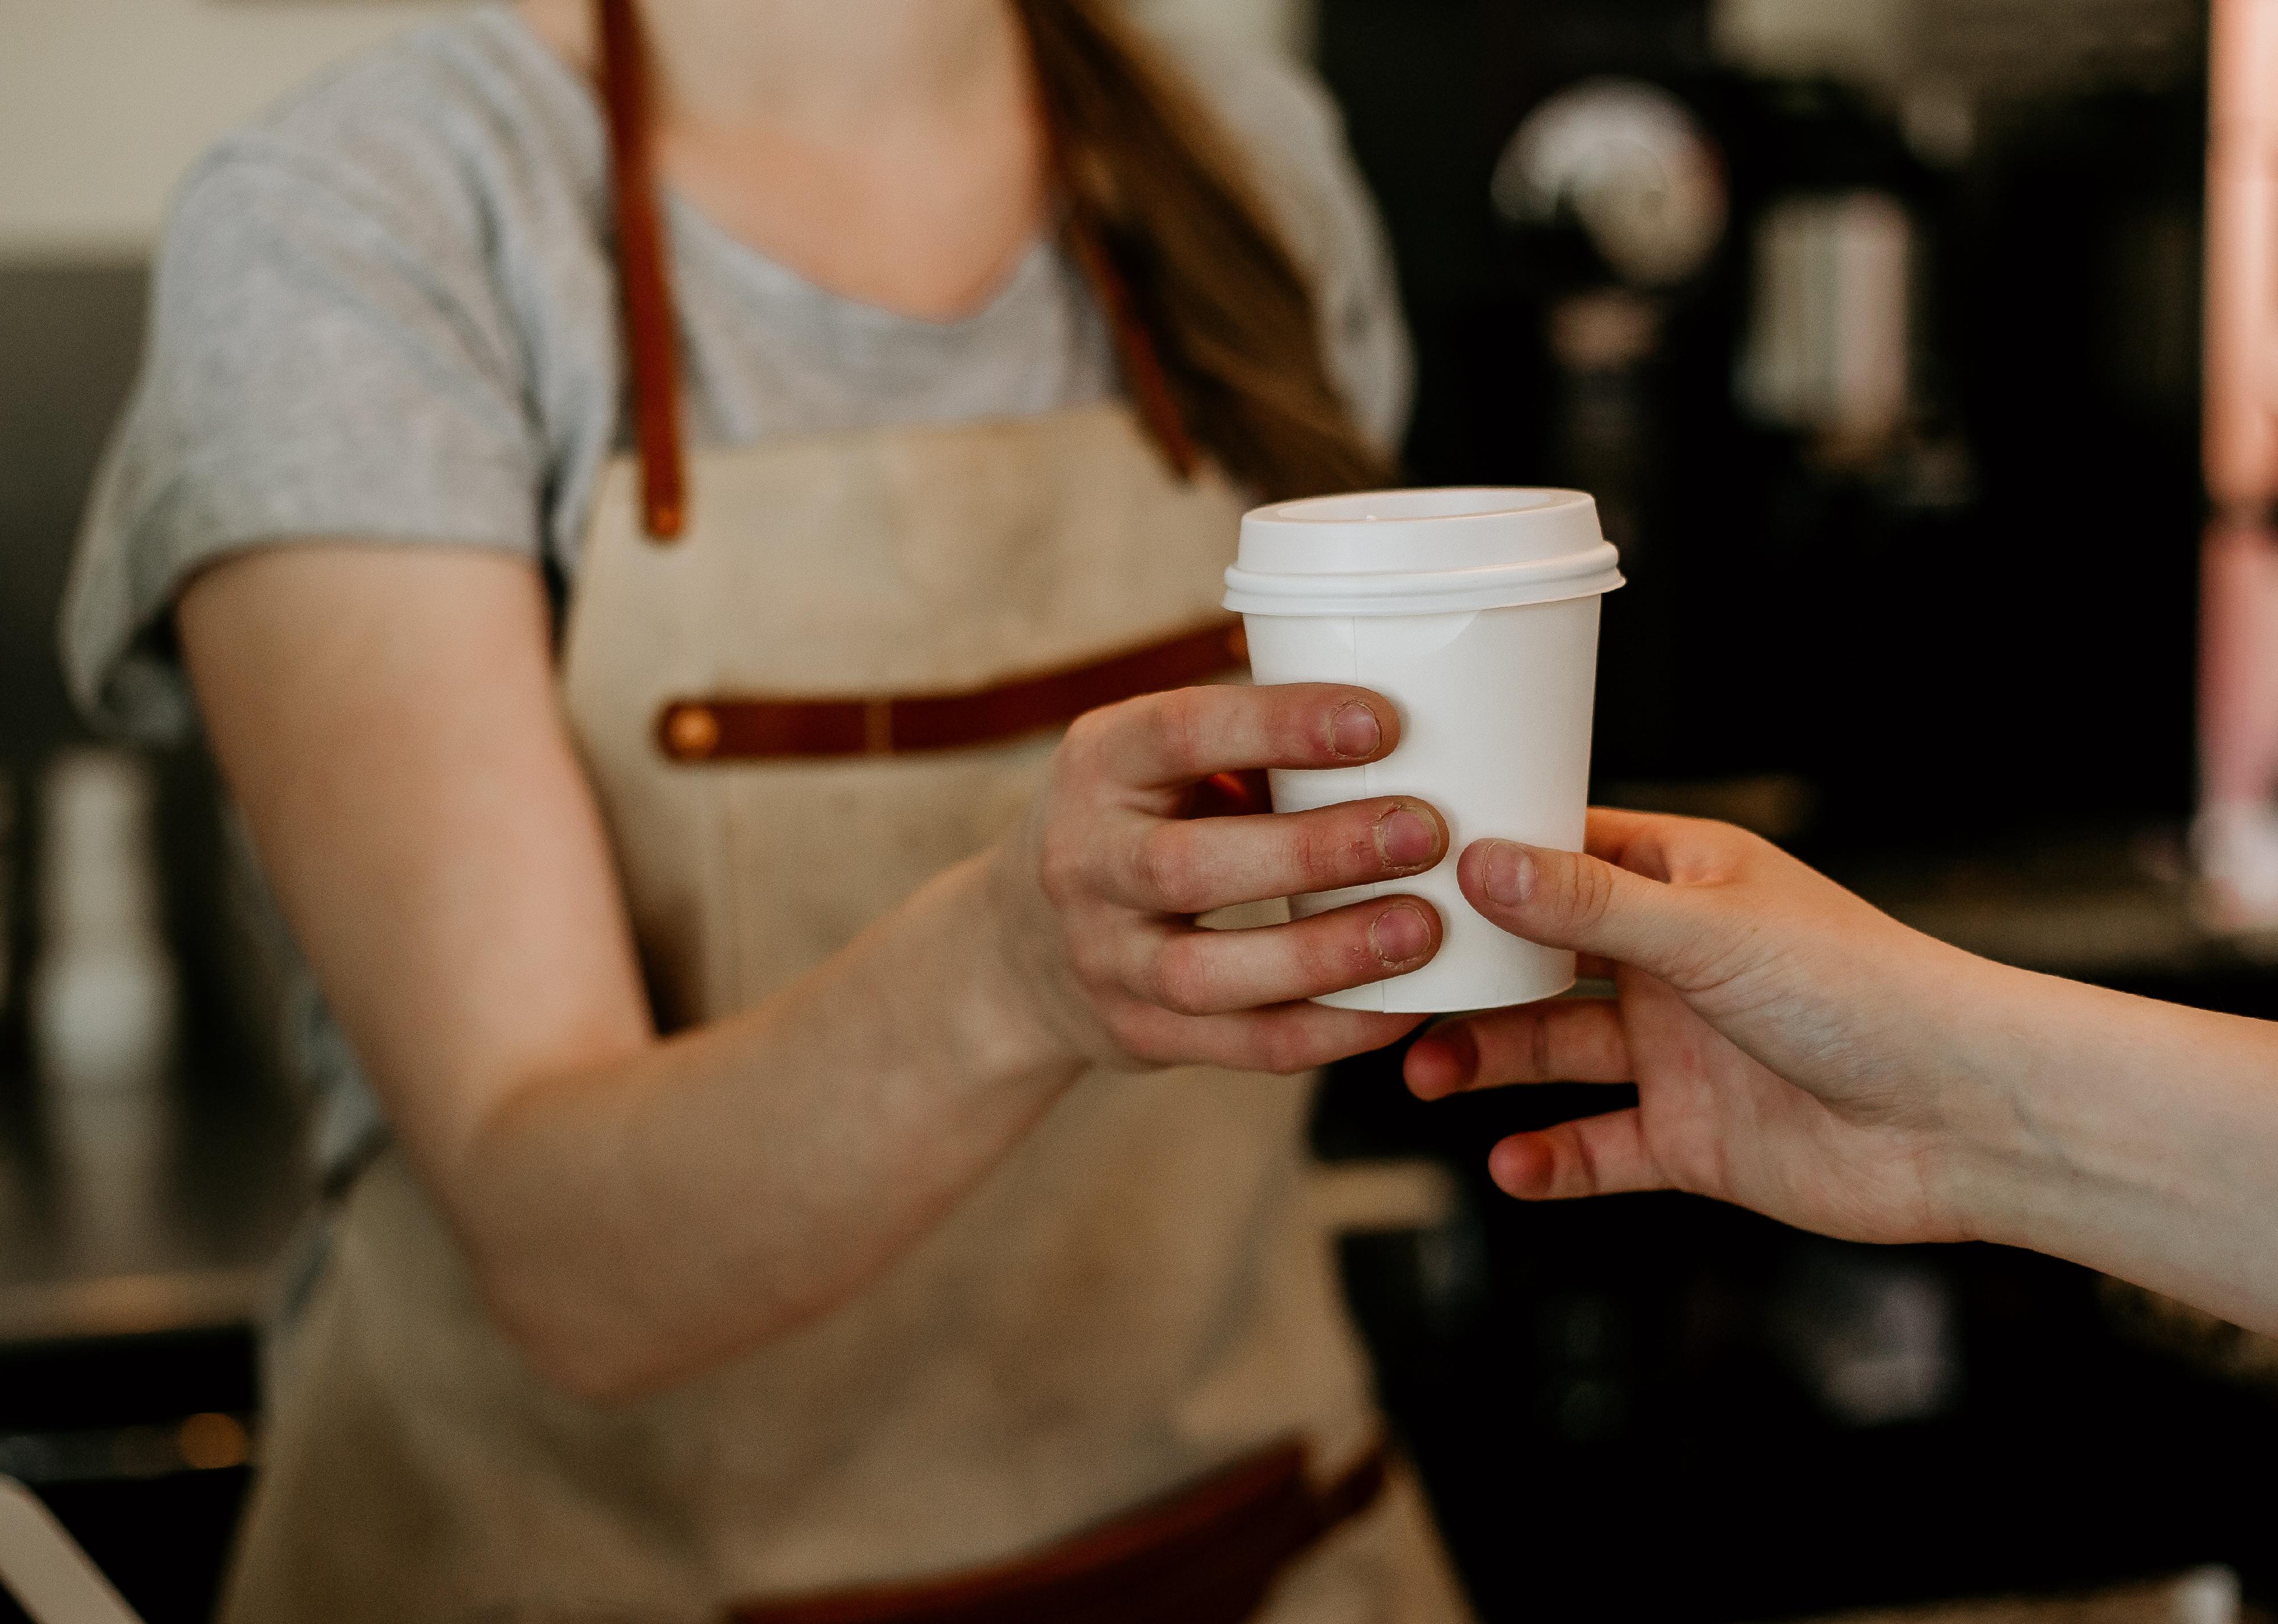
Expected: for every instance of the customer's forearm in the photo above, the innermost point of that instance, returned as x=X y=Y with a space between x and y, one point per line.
x=2141 y=1140
x=643 y=1222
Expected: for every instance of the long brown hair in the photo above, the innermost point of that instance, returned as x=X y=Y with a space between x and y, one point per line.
x=1154 y=182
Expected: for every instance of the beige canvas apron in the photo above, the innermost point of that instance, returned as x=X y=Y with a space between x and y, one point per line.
x=1141 y=1292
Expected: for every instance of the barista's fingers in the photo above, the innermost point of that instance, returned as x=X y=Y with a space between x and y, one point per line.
x=1170 y=740
x=1598 y=1155
x=1187 y=867
x=1197 y=972
x=1286 y=1040
x=1567 y=1041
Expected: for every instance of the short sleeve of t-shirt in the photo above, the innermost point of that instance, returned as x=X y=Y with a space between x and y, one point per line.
x=328 y=355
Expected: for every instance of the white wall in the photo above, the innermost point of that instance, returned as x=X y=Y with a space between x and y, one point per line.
x=103 y=103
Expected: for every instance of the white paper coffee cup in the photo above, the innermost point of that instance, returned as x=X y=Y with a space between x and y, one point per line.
x=1475 y=612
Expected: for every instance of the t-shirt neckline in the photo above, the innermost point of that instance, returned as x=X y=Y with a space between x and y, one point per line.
x=830 y=309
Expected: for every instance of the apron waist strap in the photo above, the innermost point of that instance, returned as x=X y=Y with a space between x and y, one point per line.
x=730 y=728
x=1206 y=1554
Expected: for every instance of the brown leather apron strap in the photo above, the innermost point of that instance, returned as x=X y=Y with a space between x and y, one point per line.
x=731 y=728
x=644 y=277
x=1207 y=1554
x=644 y=280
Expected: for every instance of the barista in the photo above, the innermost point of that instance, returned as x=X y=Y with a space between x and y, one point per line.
x=637 y=497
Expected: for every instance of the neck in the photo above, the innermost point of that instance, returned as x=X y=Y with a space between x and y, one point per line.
x=817 y=70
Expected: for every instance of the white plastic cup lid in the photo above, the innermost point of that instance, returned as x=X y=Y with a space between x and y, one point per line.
x=1421 y=552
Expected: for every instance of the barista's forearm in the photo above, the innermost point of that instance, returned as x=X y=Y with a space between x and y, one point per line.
x=646 y=1219
x=2142 y=1141
x=636 y=1210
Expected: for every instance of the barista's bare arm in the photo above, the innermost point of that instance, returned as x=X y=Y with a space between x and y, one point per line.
x=638 y=1209
x=1797 y=1052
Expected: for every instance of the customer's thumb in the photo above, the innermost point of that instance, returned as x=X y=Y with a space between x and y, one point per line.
x=1570 y=899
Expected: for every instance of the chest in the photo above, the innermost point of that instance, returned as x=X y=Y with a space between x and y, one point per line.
x=926 y=221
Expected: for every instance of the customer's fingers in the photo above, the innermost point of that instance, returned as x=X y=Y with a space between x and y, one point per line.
x=1186 y=866
x=1597 y=1155
x=1567 y=1041
x=1196 y=972
x=1570 y=899
x=1169 y=740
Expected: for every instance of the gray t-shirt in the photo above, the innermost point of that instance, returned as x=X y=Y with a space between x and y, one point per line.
x=386 y=310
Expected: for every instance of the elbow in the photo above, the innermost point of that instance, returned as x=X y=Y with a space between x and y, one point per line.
x=608 y=1348
x=580 y=1303
x=593 y=1349
x=579 y=1328
x=580 y=1348
x=589 y=1376
x=605 y=1313
x=600 y=1382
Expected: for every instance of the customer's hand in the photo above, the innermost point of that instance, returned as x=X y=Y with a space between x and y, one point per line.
x=1794 y=1050
x=1097 y=896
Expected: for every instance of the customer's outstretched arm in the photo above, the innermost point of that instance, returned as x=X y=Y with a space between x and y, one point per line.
x=1799 y=1053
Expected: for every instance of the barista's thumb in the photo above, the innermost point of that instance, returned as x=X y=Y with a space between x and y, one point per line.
x=1570 y=899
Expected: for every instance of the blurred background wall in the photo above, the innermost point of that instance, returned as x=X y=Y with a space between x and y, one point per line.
x=103 y=103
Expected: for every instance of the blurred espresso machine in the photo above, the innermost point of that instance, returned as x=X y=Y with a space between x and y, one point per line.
x=1875 y=326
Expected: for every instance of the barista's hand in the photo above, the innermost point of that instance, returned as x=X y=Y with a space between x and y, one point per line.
x=1794 y=1050
x=1096 y=897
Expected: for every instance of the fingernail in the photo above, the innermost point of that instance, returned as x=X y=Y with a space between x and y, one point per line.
x=1508 y=873
x=1400 y=936
x=1405 y=839
x=1354 y=732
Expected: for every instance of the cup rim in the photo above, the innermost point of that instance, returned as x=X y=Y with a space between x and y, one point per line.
x=1590 y=574
x=1423 y=550
x=1426 y=504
